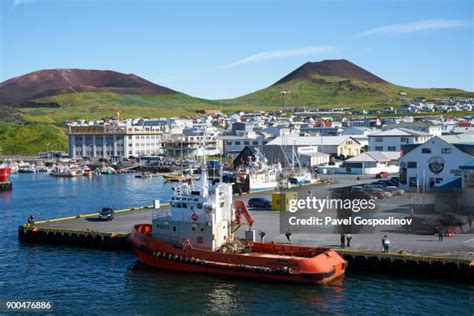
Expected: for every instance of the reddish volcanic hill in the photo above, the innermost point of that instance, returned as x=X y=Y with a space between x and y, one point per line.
x=339 y=68
x=43 y=83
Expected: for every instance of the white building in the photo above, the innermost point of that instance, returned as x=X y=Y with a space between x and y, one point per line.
x=435 y=161
x=394 y=139
x=311 y=159
x=333 y=145
x=114 y=141
x=233 y=145
x=372 y=162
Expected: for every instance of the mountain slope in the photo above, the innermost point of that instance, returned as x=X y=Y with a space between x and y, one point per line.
x=337 y=83
x=19 y=90
x=336 y=68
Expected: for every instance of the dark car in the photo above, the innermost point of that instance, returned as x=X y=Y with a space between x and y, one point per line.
x=422 y=225
x=450 y=219
x=260 y=202
x=106 y=214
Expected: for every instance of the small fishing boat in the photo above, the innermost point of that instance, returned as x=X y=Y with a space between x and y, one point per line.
x=65 y=172
x=144 y=175
x=178 y=177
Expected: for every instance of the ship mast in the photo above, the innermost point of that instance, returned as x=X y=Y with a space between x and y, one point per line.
x=204 y=184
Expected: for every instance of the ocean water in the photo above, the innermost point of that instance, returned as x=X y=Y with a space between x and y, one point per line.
x=94 y=282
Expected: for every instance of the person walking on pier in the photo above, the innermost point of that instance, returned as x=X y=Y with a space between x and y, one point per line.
x=349 y=238
x=288 y=236
x=440 y=235
x=385 y=243
x=343 y=241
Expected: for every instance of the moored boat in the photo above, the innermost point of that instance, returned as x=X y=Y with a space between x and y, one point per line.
x=5 y=183
x=64 y=172
x=197 y=234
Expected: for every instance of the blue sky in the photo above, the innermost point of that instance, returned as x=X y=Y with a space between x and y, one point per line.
x=219 y=49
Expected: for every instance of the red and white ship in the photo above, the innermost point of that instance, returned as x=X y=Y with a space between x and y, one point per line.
x=197 y=234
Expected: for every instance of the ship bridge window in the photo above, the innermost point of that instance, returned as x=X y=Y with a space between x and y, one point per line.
x=162 y=226
x=184 y=205
x=174 y=228
x=199 y=205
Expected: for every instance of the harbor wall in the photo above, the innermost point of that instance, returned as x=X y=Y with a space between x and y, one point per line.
x=404 y=265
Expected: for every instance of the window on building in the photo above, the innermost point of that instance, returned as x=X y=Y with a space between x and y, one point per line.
x=445 y=150
x=392 y=148
x=379 y=139
x=404 y=139
x=246 y=142
x=412 y=182
x=411 y=164
x=255 y=142
x=426 y=150
x=379 y=148
x=237 y=143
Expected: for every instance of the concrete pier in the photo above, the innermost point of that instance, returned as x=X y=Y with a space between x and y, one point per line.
x=410 y=254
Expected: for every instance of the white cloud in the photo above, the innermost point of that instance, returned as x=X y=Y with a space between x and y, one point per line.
x=416 y=26
x=277 y=54
x=17 y=3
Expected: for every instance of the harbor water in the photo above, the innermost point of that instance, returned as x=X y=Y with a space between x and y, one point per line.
x=89 y=281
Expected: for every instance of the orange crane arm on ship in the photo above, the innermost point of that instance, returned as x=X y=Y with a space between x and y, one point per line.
x=240 y=209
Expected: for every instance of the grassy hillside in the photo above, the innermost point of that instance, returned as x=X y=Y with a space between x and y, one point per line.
x=29 y=130
x=329 y=92
x=91 y=105
x=30 y=138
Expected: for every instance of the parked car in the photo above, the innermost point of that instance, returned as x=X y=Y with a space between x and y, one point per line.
x=106 y=214
x=451 y=219
x=363 y=195
x=393 y=183
x=259 y=202
x=382 y=175
x=383 y=184
x=422 y=225
x=396 y=179
x=394 y=190
x=376 y=192
x=372 y=186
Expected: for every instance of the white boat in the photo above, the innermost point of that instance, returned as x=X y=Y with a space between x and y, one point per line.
x=259 y=174
x=65 y=172
x=300 y=177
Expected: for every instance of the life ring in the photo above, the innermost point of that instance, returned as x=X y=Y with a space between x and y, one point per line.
x=199 y=240
x=194 y=217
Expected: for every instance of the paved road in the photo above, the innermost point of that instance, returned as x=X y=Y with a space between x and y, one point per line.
x=461 y=245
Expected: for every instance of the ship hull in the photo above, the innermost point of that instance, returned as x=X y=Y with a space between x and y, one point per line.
x=266 y=262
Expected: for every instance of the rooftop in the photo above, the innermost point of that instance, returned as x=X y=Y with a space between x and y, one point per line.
x=289 y=140
x=400 y=132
